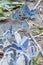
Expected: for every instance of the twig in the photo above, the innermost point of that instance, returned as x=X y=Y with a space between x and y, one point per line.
x=40 y=16
x=33 y=36
x=37 y=4
x=36 y=25
x=35 y=41
x=37 y=35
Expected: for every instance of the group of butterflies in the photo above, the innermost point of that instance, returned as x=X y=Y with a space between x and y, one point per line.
x=23 y=10
x=17 y=49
